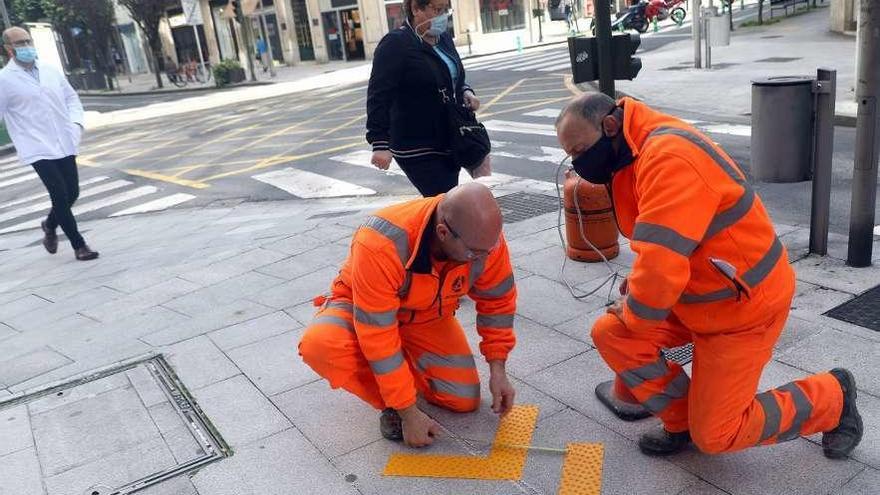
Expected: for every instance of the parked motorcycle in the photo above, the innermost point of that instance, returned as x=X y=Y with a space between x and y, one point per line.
x=632 y=18
x=665 y=9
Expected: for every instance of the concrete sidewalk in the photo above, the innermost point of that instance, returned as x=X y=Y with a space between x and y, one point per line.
x=797 y=45
x=224 y=294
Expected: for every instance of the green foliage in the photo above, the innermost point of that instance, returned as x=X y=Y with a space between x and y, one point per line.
x=21 y=11
x=222 y=71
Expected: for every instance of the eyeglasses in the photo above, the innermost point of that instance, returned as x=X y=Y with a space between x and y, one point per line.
x=22 y=43
x=470 y=254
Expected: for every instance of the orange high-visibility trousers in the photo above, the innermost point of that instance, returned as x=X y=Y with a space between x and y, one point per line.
x=718 y=403
x=437 y=352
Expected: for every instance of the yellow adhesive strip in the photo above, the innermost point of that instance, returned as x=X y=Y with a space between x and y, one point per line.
x=582 y=470
x=502 y=463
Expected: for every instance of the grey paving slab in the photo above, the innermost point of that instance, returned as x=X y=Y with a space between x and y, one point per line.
x=834 y=273
x=297 y=266
x=797 y=331
x=865 y=483
x=180 y=485
x=299 y=290
x=811 y=300
x=141 y=300
x=624 y=470
x=15 y=430
x=87 y=430
x=303 y=312
x=21 y=305
x=549 y=303
x=540 y=347
x=177 y=437
x=198 y=362
x=145 y=386
x=208 y=298
x=525 y=245
x=254 y=330
x=30 y=365
x=226 y=269
x=116 y=469
x=530 y=226
x=240 y=411
x=702 y=488
x=230 y=314
x=20 y=472
x=579 y=327
x=331 y=232
x=548 y=262
x=85 y=391
x=295 y=244
x=267 y=467
x=6 y=331
x=320 y=412
x=274 y=364
x=47 y=315
x=832 y=348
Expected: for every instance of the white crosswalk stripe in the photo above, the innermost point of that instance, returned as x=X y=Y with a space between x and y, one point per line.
x=156 y=204
x=41 y=195
x=45 y=205
x=17 y=170
x=520 y=127
x=31 y=175
x=310 y=185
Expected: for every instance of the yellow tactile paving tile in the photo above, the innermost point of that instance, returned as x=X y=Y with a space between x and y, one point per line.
x=502 y=463
x=582 y=469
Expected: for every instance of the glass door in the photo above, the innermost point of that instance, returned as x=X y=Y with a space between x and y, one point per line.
x=353 y=34
x=333 y=35
x=303 y=30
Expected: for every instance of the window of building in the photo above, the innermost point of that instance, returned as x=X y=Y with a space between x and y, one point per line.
x=396 y=17
x=502 y=15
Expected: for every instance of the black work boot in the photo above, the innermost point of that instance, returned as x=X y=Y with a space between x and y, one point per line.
x=841 y=441
x=391 y=425
x=662 y=442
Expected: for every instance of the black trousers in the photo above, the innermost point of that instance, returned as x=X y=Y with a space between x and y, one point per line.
x=62 y=181
x=431 y=174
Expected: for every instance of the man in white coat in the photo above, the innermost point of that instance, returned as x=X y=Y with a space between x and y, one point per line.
x=44 y=118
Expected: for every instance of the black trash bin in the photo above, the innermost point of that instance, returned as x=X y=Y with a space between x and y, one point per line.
x=782 y=128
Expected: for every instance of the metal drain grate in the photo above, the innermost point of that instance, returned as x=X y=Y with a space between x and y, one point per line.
x=117 y=430
x=521 y=206
x=778 y=60
x=863 y=311
x=681 y=355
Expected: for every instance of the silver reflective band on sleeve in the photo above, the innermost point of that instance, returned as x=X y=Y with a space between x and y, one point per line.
x=763 y=268
x=718 y=295
x=333 y=320
x=635 y=377
x=772 y=415
x=407 y=283
x=676 y=389
x=345 y=306
x=382 y=319
x=664 y=236
x=499 y=290
x=431 y=360
x=701 y=143
x=463 y=390
x=733 y=214
x=803 y=409
x=392 y=232
x=495 y=321
x=644 y=311
x=477 y=267
x=387 y=365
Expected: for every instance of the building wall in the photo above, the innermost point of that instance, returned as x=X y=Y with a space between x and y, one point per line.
x=844 y=14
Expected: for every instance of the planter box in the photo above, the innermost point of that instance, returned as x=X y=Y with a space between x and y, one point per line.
x=236 y=76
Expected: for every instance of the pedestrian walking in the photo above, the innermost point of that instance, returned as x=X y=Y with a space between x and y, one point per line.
x=263 y=54
x=406 y=116
x=44 y=118
x=387 y=331
x=709 y=270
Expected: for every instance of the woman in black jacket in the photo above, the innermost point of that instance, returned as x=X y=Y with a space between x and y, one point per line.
x=414 y=68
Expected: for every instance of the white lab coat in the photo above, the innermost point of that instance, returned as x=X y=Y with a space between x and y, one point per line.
x=44 y=118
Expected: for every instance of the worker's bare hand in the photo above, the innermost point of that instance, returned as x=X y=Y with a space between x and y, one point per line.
x=624 y=287
x=419 y=430
x=471 y=101
x=381 y=159
x=616 y=308
x=503 y=393
x=483 y=170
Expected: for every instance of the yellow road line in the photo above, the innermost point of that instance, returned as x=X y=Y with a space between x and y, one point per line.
x=502 y=94
x=167 y=178
x=85 y=160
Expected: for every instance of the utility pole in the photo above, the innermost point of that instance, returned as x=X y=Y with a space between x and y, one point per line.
x=603 y=42
x=695 y=30
x=864 y=185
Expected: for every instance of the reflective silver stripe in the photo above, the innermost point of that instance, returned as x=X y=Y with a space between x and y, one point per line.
x=635 y=377
x=431 y=360
x=345 y=306
x=463 y=390
x=392 y=232
x=733 y=214
x=336 y=321
x=407 y=283
x=718 y=295
x=803 y=409
x=382 y=319
x=476 y=270
x=387 y=365
x=701 y=143
x=676 y=389
x=664 y=236
x=499 y=290
x=644 y=311
x=772 y=415
x=765 y=265
x=495 y=321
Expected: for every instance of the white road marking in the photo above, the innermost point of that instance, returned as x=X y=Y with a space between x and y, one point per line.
x=18 y=180
x=550 y=113
x=32 y=197
x=731 y=129
x=520 y=127
x=362 y=158
x=156 y=204
x=877 y=230
x=45 y=205
x=310 y=185
x=17 y=170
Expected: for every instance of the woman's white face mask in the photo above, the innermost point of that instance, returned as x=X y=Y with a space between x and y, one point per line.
x=439 y=23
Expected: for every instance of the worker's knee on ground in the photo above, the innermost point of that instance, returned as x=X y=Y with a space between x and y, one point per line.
x=602 y=329
x=313 y=346
x=710 y=439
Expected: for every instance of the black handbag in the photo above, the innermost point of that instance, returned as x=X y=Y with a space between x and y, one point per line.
x=468 y=139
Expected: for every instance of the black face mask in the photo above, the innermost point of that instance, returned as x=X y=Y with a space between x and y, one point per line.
x=600 y=161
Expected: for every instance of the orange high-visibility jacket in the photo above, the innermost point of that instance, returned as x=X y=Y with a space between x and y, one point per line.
x=392 y=280
x=706 y=249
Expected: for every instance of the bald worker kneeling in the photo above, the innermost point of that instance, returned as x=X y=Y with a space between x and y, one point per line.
x=388 y=331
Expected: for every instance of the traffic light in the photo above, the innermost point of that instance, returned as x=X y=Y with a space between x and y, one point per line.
x=584 y=59
x=623 y=46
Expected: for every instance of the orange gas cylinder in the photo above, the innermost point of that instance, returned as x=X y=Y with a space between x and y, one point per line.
x=596 y=216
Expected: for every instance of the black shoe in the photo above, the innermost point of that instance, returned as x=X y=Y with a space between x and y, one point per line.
x=662 y=442
x=391 y=425
x=50 y=239
x=85 y=254
x=841 y=441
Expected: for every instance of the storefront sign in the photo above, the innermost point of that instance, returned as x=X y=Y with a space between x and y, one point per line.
x=502 y=12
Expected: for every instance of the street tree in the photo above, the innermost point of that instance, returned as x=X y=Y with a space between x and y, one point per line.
x=148 y=14
x=94 y=19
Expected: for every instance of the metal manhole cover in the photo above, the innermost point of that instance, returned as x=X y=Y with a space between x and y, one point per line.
x=521 y=206
x=863 y=311
x=681 y=355
x=114 y=431
x=778 y=60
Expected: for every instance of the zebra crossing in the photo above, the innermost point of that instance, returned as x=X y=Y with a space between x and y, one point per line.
x=542 y=61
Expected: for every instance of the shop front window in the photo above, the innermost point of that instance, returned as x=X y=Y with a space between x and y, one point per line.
x=395 y=14
x=502 y=15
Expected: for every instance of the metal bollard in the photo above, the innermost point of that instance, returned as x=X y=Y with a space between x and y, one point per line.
x=824 y=89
